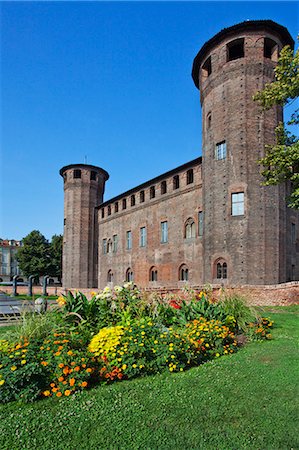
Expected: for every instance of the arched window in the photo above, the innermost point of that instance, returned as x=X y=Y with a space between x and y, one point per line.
x=183 y=273
x=153 y=274
x=270 y=49
x=235 y=49
x=221 y=269
x=110 y=276
x=129 y=275
x=190 y=228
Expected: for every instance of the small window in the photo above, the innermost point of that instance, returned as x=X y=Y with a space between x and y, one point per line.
x=64 y=222
x=93 y=175
x=109 y=210
x=103 y=213
x=132 y=200
x=221 y=270
x=116 y=207
x=189 y=176
x=115 y=242
x=129 y=240
x=141 y=196
x=163 y=187
x=104 y=246
x=176 y=182
x=190 y=229
x=270 y=49
x=153 y=274
x=200 y=223
x=183 y=273
x=142 y=237
x=220 y=152
x=164 y=232
x=235 y=49
x=238 y=204
x=293 y=233
x=77 y=173
x=129 y=275
x=124 y=203
x=207 y=68
x=109 y=246
x=152 y=192
x=209 y=121
x=110 y=276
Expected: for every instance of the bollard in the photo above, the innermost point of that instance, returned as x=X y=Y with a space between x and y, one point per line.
x=15 y=286
x=30 y=282
x=45 y=282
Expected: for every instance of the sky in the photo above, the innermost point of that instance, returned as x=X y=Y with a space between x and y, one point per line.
x=108 y=83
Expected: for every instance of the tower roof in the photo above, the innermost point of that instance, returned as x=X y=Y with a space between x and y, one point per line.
x=249 y=25
x=84 y=166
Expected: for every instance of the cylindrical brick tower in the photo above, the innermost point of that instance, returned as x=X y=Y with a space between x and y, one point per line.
x=84 y=187
x=245 y=224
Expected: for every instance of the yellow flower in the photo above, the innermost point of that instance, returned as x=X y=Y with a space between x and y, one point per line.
x=134 y=366
x=2 y=382
x=46 y=393
x=13 y=368
x=124 y=366
x=23 y=361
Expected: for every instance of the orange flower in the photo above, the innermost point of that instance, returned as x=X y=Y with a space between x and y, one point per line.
x=57 y=353
x=64 y=382
x=60 y=365
x=52 y=384
x=73 y=363
x=60 y=379
x=54 y=389
x=65 y=370
x=59 y=394
x=44 y=363
x=83 y=365
x=46 y=393
x=77 y=368
x=67 y=393
x=70 y=352
x=88 y=370
x=72 y=381
x=84 y=383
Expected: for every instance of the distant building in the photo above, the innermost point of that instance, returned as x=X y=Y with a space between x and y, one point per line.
x=8 y=262
x=209 y=220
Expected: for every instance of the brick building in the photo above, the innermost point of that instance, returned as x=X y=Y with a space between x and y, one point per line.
x=9 y=266
x=209 y=220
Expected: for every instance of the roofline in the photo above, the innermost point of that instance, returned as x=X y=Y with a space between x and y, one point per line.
x=255 y=25
x=87 y=166
x=152 y=181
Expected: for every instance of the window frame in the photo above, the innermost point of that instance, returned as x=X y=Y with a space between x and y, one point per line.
x=164 y=232
x=237 y=206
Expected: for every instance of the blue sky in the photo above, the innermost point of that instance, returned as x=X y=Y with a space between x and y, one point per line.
x=106 y=80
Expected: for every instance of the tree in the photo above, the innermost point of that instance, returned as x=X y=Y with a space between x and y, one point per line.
x=281 y=162
x=34 y=256
x=56 y=256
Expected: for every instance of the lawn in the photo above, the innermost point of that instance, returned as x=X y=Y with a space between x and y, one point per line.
x=245 y=400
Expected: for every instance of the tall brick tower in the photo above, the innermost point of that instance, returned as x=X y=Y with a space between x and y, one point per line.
x=84 y=187
x=247 y=227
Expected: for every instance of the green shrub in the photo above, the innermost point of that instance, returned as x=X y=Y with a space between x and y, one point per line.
x=236 y=306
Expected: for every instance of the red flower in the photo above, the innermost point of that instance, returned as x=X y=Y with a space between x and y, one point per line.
x=174 y=304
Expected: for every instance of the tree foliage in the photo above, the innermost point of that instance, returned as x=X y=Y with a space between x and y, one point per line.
x=281 y=162
x=38 y=257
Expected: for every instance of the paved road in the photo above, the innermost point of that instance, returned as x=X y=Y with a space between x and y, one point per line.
x=12 y=305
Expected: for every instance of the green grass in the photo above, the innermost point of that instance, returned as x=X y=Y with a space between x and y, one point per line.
x=246 y=400
x=35 y=296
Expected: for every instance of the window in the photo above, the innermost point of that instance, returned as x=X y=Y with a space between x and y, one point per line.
x=209 y=120
x=293 y=233
x=64 y=221
x=176 y=182
x=153 y=274
x=132 y=200
x=270 y=49
x=163 y=187
x=109 y=210
x=109 y=246
x=129 y=240
x=77 y=173
x=152 y=192
x=110 y=276
x=220 y=152
x=116 y=207
x=104 y=246
x=189 y=176
x=221 y=270
x=164 y=232
x=115 y=242
x=200 y=223
x=103 y=213
x=235 y=49
x=129 y=275
x=207 y=68
x=142 y=236
x=238 y=204
x=189 y=229
x=141 y=195
x=183 y=273
x=93 y=175
x=124 y=203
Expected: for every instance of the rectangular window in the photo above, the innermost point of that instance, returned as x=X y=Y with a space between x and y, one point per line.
x=103 y=213
x=238 y=204
x=176 y=182
x=124 y=203
x=77 y=173
x=189 y=176
x=164 y=232
x=129 y=240
x=109 y=210
x=132 y=200
x=163 y=187
x=116 y=207
x=220 y=152
x=141 y=196
x=200 y=223
x=115 y=241
x=104 y=246
x=152 y=192
x=293 y=233
x=142 y=236
x=93 y=176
